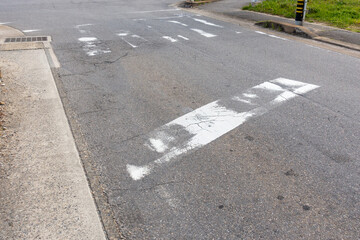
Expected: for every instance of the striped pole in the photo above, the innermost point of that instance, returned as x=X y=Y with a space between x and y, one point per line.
x=300 y=12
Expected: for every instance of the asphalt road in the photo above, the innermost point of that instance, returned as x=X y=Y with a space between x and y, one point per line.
x=131 y=67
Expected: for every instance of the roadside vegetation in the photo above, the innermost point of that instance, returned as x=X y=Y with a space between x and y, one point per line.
x=338 y=13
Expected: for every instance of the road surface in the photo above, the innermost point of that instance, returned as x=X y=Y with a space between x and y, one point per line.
x=196 y=128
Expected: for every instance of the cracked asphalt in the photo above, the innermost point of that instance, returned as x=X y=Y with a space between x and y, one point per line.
x=292 y=173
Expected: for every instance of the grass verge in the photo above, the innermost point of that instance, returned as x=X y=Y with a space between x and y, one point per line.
x=338 y=13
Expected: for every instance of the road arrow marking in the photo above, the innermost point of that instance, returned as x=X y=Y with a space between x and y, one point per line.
x=205 y=124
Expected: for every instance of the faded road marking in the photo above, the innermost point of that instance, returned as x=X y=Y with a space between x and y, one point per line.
x=177 y=22
x=185 y=38
x=91 y=46
x=205 y=124
x=31 y=30
x=270 y=35
x=203 y=33
x=207 y=23
x=170 y=39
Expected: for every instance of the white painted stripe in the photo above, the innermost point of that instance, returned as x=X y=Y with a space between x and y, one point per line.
x=207 y=23
x=170 y=39
x=87 y=39
x=238 y=32
x=270 y=35
x=137 y=36
x=213 y=120
x=261 y=32
x=3 y=23
x=185 y=38
x=83 y=25
x=177 y=22
x=123 y=34
x=273 y=36
x=161 y=10
x=203 y=33
x=31 y=30
x=132 y=45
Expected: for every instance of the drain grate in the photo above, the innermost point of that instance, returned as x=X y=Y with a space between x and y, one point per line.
x=27 y=39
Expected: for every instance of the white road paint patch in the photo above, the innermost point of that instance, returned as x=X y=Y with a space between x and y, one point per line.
x=261 y=32
x=207 y=23
x=132 y=45
x=88 y=39
x=170 y=39
x=203 y=33
x=83 y=25
x=157 y=145
x=238 y=32
x=3 y=23
x=91 y=46
x=31 y=30
x=177 y=22
x=137 y=36
x=123 y=34
x=185 y=38
x=250 y=95
x=137 y=173
x=149 y=26
x=215 y=119
x=270 y=35
x=273 y=36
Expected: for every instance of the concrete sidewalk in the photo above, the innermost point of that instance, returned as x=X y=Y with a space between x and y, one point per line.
x=232 y=8
x=44 y=191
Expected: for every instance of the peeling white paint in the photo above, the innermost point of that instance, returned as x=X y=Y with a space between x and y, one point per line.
x=185 y=38
x=137 y=173
x=213 y=120
x=203 y=33
x=83 y=25
x=177 y=22
x=88 y=39
x=250 y=95
x=31 y=30
x=207 y=23
x=170 y=39
x=132 y=45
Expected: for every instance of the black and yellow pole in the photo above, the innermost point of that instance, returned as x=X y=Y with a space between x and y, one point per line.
x=300 y=8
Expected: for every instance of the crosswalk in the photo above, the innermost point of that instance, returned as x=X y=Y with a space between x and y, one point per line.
x=171 y=28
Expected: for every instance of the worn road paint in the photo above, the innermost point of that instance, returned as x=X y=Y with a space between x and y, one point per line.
x=170 y=39
x=137 y=36
x=91 y=48
x=31 y=30
x=185 y=38
x=203 y=33
x=261 y=32
x=238 y=32
x=270 y=35
x=177 y=22
x=207 y=23
x=83 y=25
x=88 y=39
x=205 y=124
x=3 y=23
x=132 y=45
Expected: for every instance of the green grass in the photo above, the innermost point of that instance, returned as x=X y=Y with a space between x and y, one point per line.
x=339 y=13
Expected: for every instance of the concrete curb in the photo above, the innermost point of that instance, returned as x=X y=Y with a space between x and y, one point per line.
x=304 y=32
x=46 y=194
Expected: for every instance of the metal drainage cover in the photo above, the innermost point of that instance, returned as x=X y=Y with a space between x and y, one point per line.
x=26 y=39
